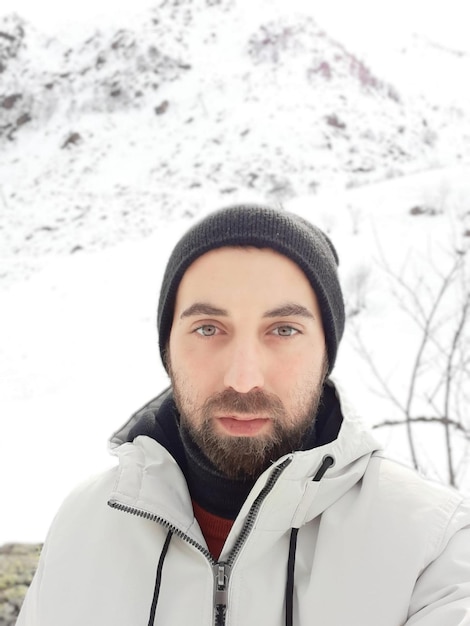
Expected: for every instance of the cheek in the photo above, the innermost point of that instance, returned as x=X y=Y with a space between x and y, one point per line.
x=296 y=363
x=197 y=372
x=296 y=370
x=194 y=364
x=182 y=356
x=284 y=374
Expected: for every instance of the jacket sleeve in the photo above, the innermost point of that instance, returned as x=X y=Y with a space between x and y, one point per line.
x=442 y=593
x=29 y=613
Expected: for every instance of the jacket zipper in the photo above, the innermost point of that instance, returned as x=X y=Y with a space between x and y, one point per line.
x=221 y=580
x=221 y=569
x=114 y=504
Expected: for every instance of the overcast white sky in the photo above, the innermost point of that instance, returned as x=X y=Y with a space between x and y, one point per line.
x=366 y=21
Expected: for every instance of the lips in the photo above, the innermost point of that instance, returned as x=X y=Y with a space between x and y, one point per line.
x=243 y=426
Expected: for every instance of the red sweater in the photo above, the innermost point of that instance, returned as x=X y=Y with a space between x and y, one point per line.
x=215 y=529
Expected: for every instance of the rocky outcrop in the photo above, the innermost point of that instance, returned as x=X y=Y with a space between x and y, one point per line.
x=193 y=104
x=18 y=563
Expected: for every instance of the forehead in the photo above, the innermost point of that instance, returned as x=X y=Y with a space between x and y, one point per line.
x=232 y=274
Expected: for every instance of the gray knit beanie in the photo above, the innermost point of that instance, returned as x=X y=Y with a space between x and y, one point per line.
x=260 y=227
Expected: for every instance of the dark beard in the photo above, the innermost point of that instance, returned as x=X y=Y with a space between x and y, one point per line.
x=247 y=457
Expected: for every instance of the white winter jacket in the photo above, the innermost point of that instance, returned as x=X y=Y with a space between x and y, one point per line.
x=376 y=545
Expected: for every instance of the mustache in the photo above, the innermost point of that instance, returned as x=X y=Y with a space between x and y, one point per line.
x=257 y=401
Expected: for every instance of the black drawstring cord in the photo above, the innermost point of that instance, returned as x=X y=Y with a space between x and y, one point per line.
x=290 y=577
x=158 y=578
x=327 y=462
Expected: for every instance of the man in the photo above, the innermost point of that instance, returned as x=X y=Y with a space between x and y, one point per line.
x=246 y=494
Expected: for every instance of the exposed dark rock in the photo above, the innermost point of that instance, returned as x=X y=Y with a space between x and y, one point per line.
x=72 y=140
x=162 y=108
x=18 y=563
x=12 y=34
x=324 y=69
x=10 y=101
x=23 y=119
x=333 y=120
x=424 y=210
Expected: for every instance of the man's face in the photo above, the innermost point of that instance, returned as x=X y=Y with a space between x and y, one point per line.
x=247 y=357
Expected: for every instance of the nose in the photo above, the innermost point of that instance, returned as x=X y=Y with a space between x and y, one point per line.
x=244 y=371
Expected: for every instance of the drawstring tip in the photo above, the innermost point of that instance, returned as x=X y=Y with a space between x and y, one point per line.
x=327 y=462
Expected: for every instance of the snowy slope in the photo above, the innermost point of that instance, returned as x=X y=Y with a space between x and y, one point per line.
x=79 y=347
x=133 y=133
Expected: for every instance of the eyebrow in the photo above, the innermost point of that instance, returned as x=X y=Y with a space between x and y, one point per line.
x=288 y=310
x=285 y=310
x=203 y=308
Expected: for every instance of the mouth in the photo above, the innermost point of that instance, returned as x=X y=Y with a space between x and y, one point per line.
x=243 y=425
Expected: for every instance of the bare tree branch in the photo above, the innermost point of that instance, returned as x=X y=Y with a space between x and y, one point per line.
x=380 y=379
x=427 y=420
x=440 y=369
x=449 y=379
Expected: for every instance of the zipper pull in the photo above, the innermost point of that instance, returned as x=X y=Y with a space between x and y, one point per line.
x=221 y=580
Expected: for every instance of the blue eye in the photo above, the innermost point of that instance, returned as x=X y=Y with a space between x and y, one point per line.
x=207 y=330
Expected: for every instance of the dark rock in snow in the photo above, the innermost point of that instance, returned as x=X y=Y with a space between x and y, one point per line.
x=18 y=563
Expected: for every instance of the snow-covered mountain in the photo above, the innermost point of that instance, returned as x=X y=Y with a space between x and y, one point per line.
x=190 y=105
